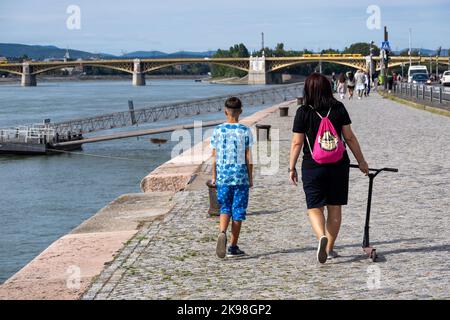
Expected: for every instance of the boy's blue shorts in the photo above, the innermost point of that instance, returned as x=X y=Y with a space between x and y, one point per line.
x=233 y=200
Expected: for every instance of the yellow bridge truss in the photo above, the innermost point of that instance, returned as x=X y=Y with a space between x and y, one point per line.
x=273 y=64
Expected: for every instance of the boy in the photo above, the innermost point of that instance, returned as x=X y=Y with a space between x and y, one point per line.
x=232 y=174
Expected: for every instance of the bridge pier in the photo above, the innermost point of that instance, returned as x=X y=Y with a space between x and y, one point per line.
x=28 y=79
x=138 y=75
x=257 y=73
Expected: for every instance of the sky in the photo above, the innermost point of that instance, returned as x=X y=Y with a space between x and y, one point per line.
x=198 y=25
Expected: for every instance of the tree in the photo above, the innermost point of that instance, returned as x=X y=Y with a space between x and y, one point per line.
x=405 y=53
x=362 y=48
x=24 y=58
x=279 y=50
x=236 y=51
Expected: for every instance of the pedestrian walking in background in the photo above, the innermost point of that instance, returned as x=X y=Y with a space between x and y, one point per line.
x=360 y=80
x=367 y=84
x=350 y=84
x=341 y=85
x=390 y=82
x=375 y=81
x=334 y=81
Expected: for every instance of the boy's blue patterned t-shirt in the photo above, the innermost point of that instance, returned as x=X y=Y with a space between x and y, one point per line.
x=230 y=141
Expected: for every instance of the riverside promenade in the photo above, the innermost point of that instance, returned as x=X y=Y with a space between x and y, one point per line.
x=173 y=257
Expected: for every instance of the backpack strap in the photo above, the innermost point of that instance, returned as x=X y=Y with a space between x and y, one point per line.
x=319 y=113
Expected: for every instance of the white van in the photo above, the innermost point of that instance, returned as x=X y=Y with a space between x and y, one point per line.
x=445 y=80
x=415 y=70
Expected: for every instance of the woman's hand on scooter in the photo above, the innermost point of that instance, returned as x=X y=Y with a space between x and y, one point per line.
x=364 y=167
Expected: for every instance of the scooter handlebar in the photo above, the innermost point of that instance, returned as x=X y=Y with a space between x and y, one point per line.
x=390 y=169
x=378 y=170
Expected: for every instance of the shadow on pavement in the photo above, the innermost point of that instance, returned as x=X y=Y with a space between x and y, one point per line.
x=353 y=258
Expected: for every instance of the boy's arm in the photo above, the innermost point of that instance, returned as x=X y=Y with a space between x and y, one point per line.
x=213 y=179
x=249 y=163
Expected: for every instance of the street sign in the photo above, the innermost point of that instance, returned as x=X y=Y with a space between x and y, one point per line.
x=385 y=46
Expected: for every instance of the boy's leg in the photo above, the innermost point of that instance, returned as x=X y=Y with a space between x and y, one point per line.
x=235 y=231
x=224 y=222
x=225 y=200
x=240 y=203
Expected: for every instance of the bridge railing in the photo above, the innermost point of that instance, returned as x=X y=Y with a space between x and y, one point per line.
x=174 y=110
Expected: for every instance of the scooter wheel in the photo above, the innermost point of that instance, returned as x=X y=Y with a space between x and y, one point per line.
x=373 y=255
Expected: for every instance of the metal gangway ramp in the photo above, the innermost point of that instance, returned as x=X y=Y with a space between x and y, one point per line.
x=173 y=110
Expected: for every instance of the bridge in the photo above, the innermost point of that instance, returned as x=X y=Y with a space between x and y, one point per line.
x=261 y=70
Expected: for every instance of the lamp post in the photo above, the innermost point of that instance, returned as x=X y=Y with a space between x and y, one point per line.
x=371 y=63
x=385 y=70
x=431 y=64
x=409 y=51
x=438 y=54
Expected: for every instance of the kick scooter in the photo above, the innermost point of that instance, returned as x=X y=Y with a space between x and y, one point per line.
x=369 y=250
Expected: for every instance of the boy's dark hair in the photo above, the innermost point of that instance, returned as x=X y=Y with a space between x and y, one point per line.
x=233 y=103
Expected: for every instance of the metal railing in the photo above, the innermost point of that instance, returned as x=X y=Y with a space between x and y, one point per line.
x=35 y=134
x=436 y=94
x=174 y=110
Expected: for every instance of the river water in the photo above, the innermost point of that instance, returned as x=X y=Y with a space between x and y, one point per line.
x=45 y=197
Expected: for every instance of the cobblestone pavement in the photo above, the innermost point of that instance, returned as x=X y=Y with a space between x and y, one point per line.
x=175 y=258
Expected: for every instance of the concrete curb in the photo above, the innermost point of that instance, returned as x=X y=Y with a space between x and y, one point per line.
x=416 y=105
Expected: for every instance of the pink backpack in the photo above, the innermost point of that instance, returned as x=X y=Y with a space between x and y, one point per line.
x=328 y=148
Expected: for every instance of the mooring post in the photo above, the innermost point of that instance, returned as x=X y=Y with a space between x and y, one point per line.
x=265 y=127
x=132 y=115
x=214 y=207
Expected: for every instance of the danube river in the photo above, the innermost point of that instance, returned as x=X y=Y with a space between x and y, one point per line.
x=45 y=197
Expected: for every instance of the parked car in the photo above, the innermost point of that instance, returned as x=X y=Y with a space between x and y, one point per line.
x=445 y=80
x=420 y=78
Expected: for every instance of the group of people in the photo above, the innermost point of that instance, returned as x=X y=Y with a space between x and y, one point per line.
x=324 y=168
x=349 y=82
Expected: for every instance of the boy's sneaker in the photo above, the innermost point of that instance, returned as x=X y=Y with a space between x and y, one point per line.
x=235 y=252
x=221 y=245
x=322 y=249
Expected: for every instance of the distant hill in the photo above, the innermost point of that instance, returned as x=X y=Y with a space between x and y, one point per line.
x=425 y=52
x=190 y=54
x=160 y=54
x=144 y=54
x=15 y=50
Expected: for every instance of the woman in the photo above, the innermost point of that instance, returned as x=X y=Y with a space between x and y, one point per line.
x=350 y=84
x=325 y=185
x=360 y=80
x=341 y=86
